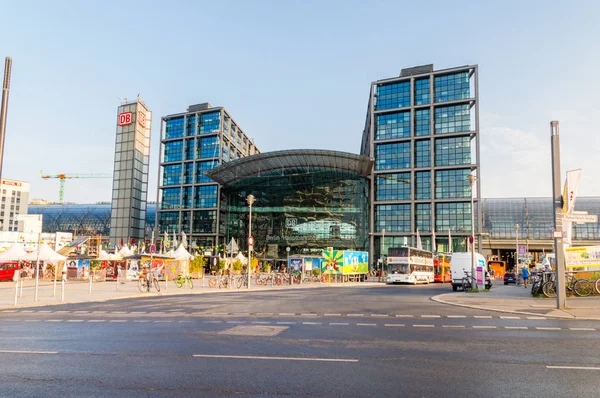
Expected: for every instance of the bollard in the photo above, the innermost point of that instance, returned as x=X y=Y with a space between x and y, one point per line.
x=21 y=291
x=90 y=277
x=166 y=280
x=62 y=293
x=117 y=280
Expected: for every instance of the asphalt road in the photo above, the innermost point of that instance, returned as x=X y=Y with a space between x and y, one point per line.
x=326 y=342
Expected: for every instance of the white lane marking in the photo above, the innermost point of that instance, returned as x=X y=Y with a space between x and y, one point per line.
x=97 y=320
x=286 y=323
x=311 y=323
x=118 y=312
x=404 y=316
x=27 y=311
x=394 y=324
x=510 y=317
x=54 y=320
x=380 y=315
x=332 y=314
x=547 y=328
x=423 y=326
x=287 y=313
x=453 y=326
x=264 y=313
x=28 y=352
x=138 y=312
x=163 y=321
x=338 y=324
x=212 y=321
x=516 y=327
x=261 y=322
x=430 y=316
x=186 y=321
x=482 y=317
x=236 y=321
x=484 y=327
x=573 y=367
x=32 y=320
x=536 y=317
x=9 y=311
x=455 y=316
x=81 y=312
x=141 y=321
x=366 y=324
x=355 y=315
x=241 y=313
x=45 y=311
x=583 y=329
x=218 y=313
x=75 y=320
x=275 y=358
x=118 y=320
x=309 y=314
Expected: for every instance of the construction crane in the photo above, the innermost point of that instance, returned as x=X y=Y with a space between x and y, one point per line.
x=63 y=177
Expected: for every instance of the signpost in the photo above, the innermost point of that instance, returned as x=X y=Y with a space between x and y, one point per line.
x=580 y=218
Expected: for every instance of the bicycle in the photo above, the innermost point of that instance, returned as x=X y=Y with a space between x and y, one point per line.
x=597 y=286
x=243 y=281
x=579 y=287
x=181 y=281
x=467 y=282
x=145 y=283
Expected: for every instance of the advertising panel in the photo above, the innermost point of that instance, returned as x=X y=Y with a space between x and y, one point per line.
x=333 y=262
x=355 y=262
x=579 y=257
x=295 y=264
x=311 y=263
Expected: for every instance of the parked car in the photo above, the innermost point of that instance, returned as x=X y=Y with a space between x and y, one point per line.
x=510 y=277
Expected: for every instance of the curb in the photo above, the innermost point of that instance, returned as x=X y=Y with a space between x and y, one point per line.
x=572 y=317
x=189 y=293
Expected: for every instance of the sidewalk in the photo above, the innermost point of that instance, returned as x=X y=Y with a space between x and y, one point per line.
x=513 y=299
x=78 y=291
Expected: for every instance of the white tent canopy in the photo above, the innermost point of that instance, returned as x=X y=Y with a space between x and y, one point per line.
x=241 y=257
x=110 y=257
x=124 y=251
x=13 y=253
x=182 y=254
x=46 y=254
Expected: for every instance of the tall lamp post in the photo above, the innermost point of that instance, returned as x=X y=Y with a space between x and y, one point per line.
x=250 y=200
x=382 y=244
x=472 y=180
x=516 y=250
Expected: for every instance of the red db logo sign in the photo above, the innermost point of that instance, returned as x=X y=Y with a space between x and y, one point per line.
x=124 y=118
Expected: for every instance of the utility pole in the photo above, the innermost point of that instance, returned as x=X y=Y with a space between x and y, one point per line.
x=4 y=107
x=561 y=298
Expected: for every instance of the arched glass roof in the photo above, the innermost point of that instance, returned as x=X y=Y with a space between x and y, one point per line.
x=290 y=162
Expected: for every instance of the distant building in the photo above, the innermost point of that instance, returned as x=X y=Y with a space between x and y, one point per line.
x=15 y=199
x=130 y=178
x=192 y=143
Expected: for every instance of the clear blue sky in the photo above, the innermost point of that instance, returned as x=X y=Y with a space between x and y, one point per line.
x=295 y=74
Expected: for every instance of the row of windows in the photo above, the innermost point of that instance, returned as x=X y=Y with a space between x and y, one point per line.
x=197 y=221
x=204 y=148
x=448 y=152
x=450 y=87
x=452 y=119
x=393 y=125
x=422 y=121
x=448 y=119
x=206 y=123
x=189 y=197
x=449 y=184
x=393 y=186
x=455 y=217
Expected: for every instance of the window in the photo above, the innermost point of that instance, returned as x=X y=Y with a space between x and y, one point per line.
x=452 y=184
x=203 y=167
x=174 y=128
x=455 y=217
x=422 y=91
x=422 y=120
x=393 y=218
x=452 y=151
x=205 y=196
x=393 y=186
x=190 y=149
x=186 y=199
x=452 y=119
x=422 y=154
x=423 y=217
x=210 y=122
x=394 y=95
x=188 y=173
x=190 y=128
x=209 y=147
x=170 y=198
x=173 y=151
x=423 y=185
x=172 y=174
x=392 y=156
x=204 y=221
x=452 y=87
x=168 y=221
x=393 y=125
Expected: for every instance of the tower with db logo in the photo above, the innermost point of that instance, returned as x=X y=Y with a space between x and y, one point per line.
x=130 y=176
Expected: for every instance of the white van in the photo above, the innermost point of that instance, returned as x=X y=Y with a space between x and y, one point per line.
x=460 y=263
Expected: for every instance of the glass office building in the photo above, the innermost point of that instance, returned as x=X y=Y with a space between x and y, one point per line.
x=130 y=175
x=306 y=200
x=422 y=132
x=191 y=144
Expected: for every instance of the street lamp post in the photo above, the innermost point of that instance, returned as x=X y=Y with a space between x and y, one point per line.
x=472 y=180
x=382 y=244
x=250 y=200
x=516 y=250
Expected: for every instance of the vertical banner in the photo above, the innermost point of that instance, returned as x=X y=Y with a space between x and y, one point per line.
x=570 y=191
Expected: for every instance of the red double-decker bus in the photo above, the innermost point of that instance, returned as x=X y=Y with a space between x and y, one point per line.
x=441 y=268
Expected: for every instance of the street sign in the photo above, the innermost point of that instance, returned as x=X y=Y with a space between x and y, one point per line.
x=250 y=241
x=287 y=249
x=152 y=249
x=580 y=218
x=522 y=250
x=557 y=234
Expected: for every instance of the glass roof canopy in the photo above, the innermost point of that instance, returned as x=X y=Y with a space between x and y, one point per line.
x=290 y=162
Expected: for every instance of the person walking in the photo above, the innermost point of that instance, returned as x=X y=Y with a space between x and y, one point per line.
x=525 y=276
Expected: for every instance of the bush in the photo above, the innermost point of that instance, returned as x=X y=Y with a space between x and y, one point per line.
x=197 y=264
x=316 y=272
x=236 y=265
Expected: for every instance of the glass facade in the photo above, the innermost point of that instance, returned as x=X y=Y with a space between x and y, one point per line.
x=392 y=156
x=452 y=151
x=423 y=217
x=393 y=125
x=422 y=96
x=422 y=122
x=393 y=218
x=394 y=95
x=452 y=87
x=452 y=184
x=422 y=154
x=452 y=119
x=393 y=187
x=423 y=185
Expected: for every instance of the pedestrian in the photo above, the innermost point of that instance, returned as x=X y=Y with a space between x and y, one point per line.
x=525 y=276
